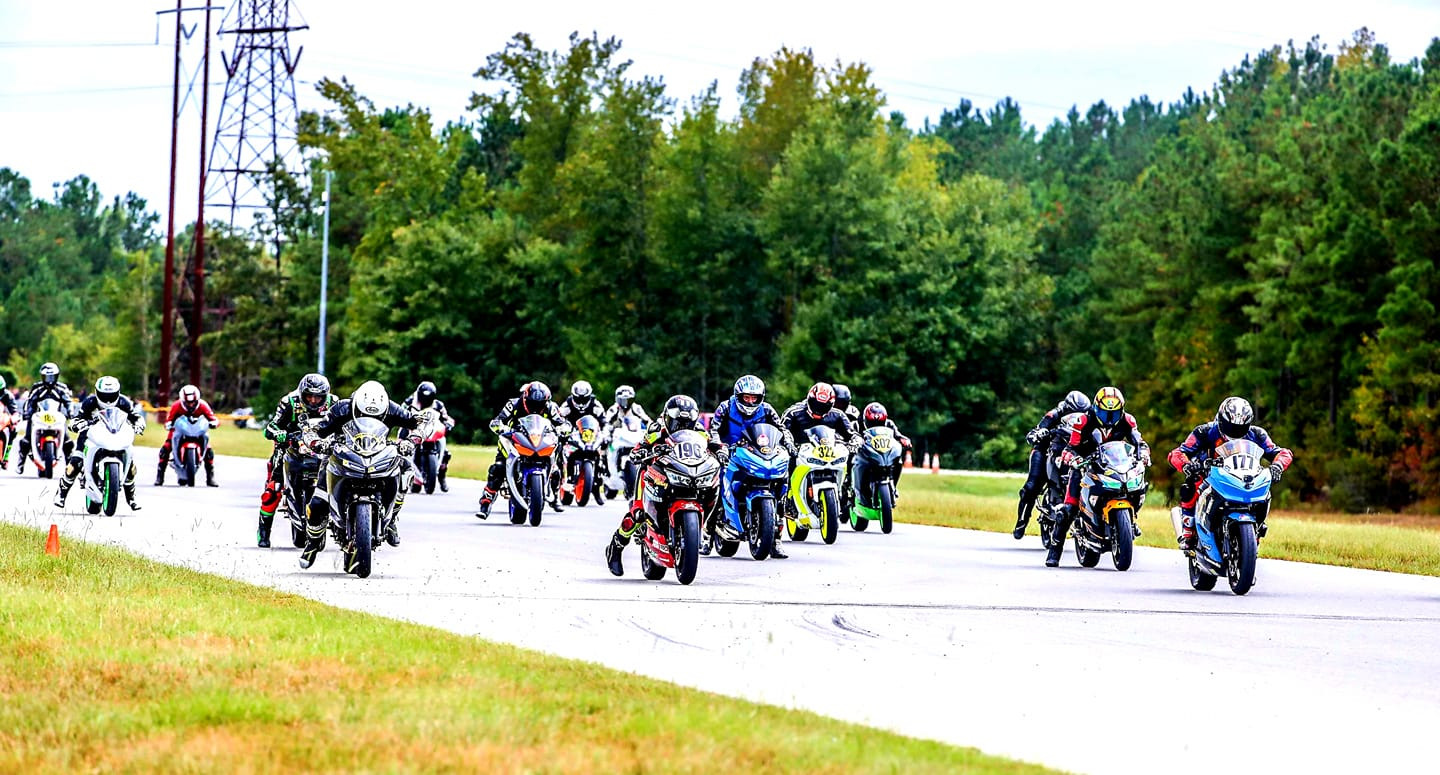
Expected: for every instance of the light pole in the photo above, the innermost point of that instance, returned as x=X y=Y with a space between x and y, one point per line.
x=324 y=269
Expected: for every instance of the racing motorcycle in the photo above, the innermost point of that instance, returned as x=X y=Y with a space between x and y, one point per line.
x=1229 y=517
x=871 y=479
x=529 y=451
x=1112 y=490
x=429 y=452
x=582 y=462
x=364 y=474
x=302 y=470
x=1057 y=477
x=188 y=442
x=754 y=481
x=107 y=460
x=680 y=485
x=815 y=485
x=623 y=473
x=47 y=437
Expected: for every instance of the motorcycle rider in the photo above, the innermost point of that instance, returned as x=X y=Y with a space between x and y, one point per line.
x=106 y=396
x=1234 y=420
x=310 y=400
x=818 y=408
x=1042 y=440
x=368 y=400
x=875 y=416
x=193 y=406
x=1105 y=421
x=579 y=403
x=681 y=414
x=843 y=404
x=746 y=407
x=423 y=398
x=7 y=436
x=534 y=398
x=49 y=386
x=625 y=406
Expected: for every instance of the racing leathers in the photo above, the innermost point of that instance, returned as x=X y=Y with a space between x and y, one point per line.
x=38 y=392
x=89 y=414
x=1084 y=441
x=286 y=425
x=177 y=409
x=728 y=426
x=318 y=514
x=615 y=415
x=504 y=422
x=1045 y=439
x=413 y=404
x=7 y=435
x=570 y=413
x=1188 y=459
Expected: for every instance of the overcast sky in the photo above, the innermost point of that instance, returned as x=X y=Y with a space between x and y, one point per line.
x=70 y=104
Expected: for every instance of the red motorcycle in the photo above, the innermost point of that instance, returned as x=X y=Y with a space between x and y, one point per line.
x=679 y=486
x=429 y=452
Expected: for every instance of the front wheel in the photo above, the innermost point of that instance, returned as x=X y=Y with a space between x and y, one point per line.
x=762 y=528
x=685 y=545
x=1122 y=528
x=1244 y=551
x=189 y=466
x=360 y=533
x=47 y=462
x=429 y=472
x=829 y=516
x=535 y=493
x=111 y=490
x=585 y=483
x=887 y=506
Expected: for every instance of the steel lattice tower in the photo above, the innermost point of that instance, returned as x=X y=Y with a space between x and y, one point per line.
x=256 y=129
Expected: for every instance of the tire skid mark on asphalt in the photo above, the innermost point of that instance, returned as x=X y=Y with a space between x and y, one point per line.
x=657 y=636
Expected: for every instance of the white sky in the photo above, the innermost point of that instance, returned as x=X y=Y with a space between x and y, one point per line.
x=104 y=110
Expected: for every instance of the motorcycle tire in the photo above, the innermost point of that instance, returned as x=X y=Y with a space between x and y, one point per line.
x=795 y=530
x=1244 y=553
x=91 y=507
x=761 y=534
x=601 y=496
x=1199 y=579
x=685 y=544
x=297 y=535
x=358 y=559
x=187 y=469
x=429 y=472
x=887 y=507
x=584 y=483
x=726 y=548
x=649 y=568
x=535 y=493
x=1088 y=558
x=46 y=469
x=631 y=474
x=1122 y=549
x=829 y=517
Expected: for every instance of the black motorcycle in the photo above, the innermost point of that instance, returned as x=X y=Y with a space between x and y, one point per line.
x=681 y=486
x=364 y=473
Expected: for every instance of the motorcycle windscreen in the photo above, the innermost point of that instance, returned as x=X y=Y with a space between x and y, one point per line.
x=688 y=447
x=365 y=435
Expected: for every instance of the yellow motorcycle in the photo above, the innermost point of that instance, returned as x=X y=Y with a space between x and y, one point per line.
x=815 y=486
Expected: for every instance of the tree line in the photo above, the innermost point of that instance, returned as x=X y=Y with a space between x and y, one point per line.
x=1273 y=237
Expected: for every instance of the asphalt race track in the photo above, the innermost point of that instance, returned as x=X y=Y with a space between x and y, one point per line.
x=956 y=635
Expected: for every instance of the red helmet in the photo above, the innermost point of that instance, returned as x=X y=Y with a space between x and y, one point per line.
x=820 y=400
x=190 y=398
x=535 y=397
x=875 y=414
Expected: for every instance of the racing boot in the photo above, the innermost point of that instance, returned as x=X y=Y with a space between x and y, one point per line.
x=1062 y=526
x=613 y=549
x=440 y=477
x=262 y=534
x=210 y=474
x=555 y=504
x=1187 y=529
x=1022 y=514
x=486 y=498
x=392 y=531
x=67 y=480
x=130 y=496
x=775 y=551
x=314 y=543
x=160 y=473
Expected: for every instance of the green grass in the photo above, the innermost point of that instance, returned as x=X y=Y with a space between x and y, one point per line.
x=1359 y=541
x=109 y=662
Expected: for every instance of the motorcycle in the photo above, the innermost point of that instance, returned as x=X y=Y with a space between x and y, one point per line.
x=1057 y=477
x=364 y=471
x=680 y=485
x=107 y=460
x=754 y=481
x=188 y=442
x=871 y=480
x=302 y=472
x=815 y=486
x=429 y=452
x=623 y=473
x=8 y=422
x=1229 y=517
x=582 y=462
x=530 y=451
x=1112 y=491
x=47 y=437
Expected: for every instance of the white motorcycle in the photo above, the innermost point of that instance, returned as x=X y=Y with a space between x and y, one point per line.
x=107 y=460
x=623 y=473
x=47 y=437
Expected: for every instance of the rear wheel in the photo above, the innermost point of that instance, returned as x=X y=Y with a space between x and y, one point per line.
x=1244 y=552
x=685 y=545
x=887 y=506
x=1088 y=558
x=794 y=529
x=110 y=490
x=727 y=548
x=535 y=492
x=359 y=559
x=429 y=472
x=585 y=483
x=829 y=516
x=1199 y=579
x=762 y=528
x=649 y=568
x=1122 y=526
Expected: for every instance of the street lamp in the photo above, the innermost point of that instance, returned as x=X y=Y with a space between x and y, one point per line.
x=324 y=269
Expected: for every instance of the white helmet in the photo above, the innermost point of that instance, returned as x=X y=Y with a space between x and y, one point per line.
x=370 y=400
x=107 y=391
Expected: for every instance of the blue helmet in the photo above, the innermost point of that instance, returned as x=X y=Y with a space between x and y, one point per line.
x=749 y=394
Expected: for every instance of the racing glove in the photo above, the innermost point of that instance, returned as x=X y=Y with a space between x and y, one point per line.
x=1036 y=436
x=1276 y=471
x=1194 y=471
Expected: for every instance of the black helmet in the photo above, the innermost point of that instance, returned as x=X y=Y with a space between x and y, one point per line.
x=425 y=394
x=314 y=390
x=1075 y=401
x=534 y=397
x=749 y=394
x=624 y=395
x=49 y=374
x=681 y=414
x=820 y=400
x=1234 y=417
x=842 y=396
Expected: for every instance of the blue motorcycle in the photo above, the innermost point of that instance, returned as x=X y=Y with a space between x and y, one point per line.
x=1229 y=517
x=756 y=479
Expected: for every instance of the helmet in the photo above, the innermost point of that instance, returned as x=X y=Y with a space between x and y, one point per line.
x=1109 y=406
x=820 y=400
x=107 y=391
x=1234 y=417
x=190 y=398
x=749 y=394
x=370 y=400
x=425 y=394
x=681 y=414
x=49 y=374
x=314 y=390
x=1075 y=401
x=534 y=396
x=624 y=395
x=842 y=396
x=874 y=415
x=582 y=395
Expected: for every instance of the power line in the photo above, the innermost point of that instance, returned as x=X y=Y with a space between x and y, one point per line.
x=69 y=44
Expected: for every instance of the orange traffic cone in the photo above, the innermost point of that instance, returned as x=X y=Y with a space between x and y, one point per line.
x=52 y=543
x=925 y=460
x=935 y=463
x=909 y=459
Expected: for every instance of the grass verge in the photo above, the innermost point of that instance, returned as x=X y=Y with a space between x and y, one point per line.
x=115 y=663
